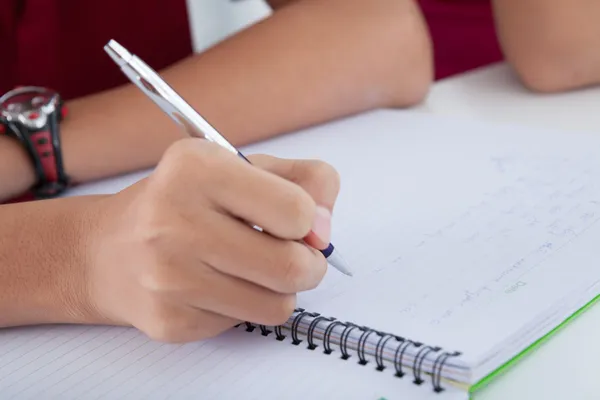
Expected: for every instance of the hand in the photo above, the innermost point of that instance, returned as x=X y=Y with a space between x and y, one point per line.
x=176 y=256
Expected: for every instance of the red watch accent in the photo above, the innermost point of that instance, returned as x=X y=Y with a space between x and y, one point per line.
x=42 y=143
x=32 y=116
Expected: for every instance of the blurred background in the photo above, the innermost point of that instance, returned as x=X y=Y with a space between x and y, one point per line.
x=213 y=20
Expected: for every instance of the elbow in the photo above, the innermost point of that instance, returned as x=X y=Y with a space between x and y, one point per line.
x=412 y=88
x=404 y=63
x=544 y=77
x=554 y=71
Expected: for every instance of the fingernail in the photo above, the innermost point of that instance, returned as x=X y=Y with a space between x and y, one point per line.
x=322 y=224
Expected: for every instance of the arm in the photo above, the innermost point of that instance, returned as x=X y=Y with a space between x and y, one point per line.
x=310 y=62
x=169 y=254
x=41 y=271
x=552 y=44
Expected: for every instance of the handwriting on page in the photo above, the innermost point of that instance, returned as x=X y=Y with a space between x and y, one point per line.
x=526 y=223
x=486 y=251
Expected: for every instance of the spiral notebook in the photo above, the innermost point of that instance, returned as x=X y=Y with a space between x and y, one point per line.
x=470 y=244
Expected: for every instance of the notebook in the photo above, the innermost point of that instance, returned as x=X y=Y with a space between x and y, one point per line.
x=470 y=243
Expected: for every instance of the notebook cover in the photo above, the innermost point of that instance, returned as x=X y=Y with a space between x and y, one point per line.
x=513 y=361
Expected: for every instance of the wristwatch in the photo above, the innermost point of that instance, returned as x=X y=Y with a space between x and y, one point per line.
x=32 y=115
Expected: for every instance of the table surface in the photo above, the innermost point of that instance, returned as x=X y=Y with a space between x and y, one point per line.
x=565 y=367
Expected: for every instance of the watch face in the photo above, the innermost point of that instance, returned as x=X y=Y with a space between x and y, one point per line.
x=29 y=106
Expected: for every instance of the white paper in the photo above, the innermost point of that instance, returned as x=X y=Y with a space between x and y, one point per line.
x=460 y=235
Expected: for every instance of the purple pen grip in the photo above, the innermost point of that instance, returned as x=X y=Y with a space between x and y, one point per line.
x=327 y=252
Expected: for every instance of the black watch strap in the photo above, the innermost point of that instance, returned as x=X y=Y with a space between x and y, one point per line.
x=39 y=133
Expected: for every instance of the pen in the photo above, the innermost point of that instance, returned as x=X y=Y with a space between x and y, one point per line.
x=184 y=115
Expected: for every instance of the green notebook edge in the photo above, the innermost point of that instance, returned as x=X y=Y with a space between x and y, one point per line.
x=513 y=361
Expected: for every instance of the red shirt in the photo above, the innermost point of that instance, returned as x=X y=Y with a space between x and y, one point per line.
x=59 y=43
x=463 y=34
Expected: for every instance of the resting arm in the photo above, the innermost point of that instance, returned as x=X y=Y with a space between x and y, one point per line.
x=310 y=62
x=553 y=45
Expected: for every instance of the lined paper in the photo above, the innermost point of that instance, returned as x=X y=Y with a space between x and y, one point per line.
x=120 y=363
x=460 y=235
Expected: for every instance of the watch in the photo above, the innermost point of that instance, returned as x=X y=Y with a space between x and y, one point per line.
x=32 y=115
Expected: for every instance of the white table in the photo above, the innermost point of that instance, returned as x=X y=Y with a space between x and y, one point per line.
x=494 y=94
x=566 y=367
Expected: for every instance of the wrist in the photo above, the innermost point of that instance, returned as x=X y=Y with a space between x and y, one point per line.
x=17 y=175
x=45 y=261
x=32 y=116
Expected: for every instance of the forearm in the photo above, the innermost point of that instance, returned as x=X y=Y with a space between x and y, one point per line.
x=312 y=61
x=41 y=262
x=552 y=44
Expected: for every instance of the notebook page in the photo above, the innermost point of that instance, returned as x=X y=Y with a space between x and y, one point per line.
x=460 y=234
x=107 y=362
x=421 y=218
x=65 y=362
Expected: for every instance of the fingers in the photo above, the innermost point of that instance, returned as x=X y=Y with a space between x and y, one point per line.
x=236 y=298
x=281 y=266
x=319 y=179
x=205 y=170
x=183 y=252
x=173 y=323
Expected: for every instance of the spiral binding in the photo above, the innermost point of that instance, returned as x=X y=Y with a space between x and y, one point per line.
x=384 y=338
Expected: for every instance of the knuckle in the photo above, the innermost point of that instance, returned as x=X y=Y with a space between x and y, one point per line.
x=152 y=214
x=209 y=156
x=302 y=208
x=168 y=325
x=152 y=234
x=158 y=246
x=161 y=331
x=318 y=269
x=283 y=308
x=155 y=279
x=171 y=324
x=160 y=239
x=210 y=330
x=177 y=149
x=175 y=157
x=187 y=159
x=320 y=171
x=293 y=269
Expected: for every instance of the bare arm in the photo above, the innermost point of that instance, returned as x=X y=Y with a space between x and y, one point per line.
x=40 y=270
x=312 y=61
x=552 y=44
x=123 y=259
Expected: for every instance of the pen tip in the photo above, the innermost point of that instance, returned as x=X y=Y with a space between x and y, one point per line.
x=338 y=262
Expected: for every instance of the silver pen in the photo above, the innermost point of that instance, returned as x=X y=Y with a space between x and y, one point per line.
x=184 y=115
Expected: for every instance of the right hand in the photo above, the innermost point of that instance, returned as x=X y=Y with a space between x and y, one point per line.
x=176 y=256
